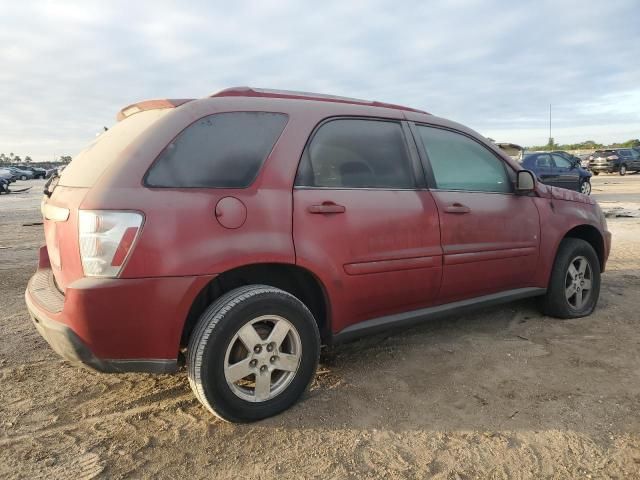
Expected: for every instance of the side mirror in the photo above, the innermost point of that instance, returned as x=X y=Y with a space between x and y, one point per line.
x=525 y=182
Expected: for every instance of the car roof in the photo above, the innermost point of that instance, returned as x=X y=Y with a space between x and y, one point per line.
x=298 y=104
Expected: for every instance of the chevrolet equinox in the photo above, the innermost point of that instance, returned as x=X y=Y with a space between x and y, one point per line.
x=237 y=233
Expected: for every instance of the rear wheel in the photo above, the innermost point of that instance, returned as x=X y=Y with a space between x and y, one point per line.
x=574 y=286
x=253 y=353
x=596 y=173
x=23 y=177
x=585 y=187
x=623 y=169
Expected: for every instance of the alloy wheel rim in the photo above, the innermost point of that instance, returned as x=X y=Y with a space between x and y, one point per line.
x=262 y=358
x=578 y=283
x=586 y=187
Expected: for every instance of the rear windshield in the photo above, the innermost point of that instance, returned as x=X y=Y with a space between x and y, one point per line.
x=88 y=165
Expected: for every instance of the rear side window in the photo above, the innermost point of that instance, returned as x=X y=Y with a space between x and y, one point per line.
x=355 y=153
x=224 y=150
x=460 y=163
x=542 y=160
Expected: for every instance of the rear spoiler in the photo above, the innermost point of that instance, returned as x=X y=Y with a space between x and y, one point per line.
x=150 y=105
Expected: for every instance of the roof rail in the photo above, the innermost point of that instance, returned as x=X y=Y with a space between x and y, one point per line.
x=269 y=93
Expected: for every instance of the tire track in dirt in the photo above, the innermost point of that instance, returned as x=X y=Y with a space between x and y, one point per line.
x=89 y=421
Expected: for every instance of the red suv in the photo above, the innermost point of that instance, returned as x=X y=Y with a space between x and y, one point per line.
x=239 y=232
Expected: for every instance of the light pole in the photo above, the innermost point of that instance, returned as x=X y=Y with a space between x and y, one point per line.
x=550 y=137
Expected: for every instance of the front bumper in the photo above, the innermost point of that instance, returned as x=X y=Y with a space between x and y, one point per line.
x=114 y=325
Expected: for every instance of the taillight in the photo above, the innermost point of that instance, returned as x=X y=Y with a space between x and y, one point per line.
x=106 y=238
x=612 y=157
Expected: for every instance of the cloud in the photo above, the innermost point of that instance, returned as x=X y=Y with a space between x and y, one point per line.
x=69 y=66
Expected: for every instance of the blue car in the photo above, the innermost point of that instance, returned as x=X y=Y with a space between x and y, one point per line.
x=557 y=170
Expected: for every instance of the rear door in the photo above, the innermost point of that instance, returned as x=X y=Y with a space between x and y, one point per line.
x=363 y=220
x=546 y=170
x=567 y=172
x=490 y=236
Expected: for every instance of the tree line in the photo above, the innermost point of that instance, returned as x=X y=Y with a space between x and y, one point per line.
x=586 y=145
x=17 y=159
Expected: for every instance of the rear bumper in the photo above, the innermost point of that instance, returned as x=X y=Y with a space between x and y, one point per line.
x=114 y=325
x=64 y=341
x=603 y=168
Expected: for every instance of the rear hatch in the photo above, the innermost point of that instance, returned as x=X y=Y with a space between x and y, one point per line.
x=64 y=196
x=599 y=157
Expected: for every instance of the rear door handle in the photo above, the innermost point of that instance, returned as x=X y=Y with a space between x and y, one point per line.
x=457 y=208
x=327 y=207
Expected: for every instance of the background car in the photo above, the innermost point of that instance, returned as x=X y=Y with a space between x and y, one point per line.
x=7 y=175
x=621 y=160
x=515 y=151
x=556 y=170
x=21 y=174
x=37 y=171
x=584 y=160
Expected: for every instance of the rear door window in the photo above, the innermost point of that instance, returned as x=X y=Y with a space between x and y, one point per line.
x=460 y=163
x=224 y=150
x=357 y=153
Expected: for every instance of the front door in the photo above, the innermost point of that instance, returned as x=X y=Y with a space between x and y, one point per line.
x=490 y=236
x=363 y=222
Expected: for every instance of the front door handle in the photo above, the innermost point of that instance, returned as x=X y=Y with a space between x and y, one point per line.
x=457 y=208
x=327 y=207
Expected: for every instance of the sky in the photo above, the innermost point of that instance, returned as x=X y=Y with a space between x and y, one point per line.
x=67 y=67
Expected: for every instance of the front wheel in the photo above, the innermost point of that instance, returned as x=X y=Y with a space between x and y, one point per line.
x=596 y=173
x=574 y=286
x=623 y=170
x=23 y=177
x=585 y=187
x=253 y=353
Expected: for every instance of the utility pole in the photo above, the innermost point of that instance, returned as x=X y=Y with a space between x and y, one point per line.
x=550 y=143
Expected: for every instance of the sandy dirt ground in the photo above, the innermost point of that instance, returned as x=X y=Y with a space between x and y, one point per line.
x=503 y=393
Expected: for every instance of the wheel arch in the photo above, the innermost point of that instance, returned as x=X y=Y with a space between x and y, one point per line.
x=591 y=235
x=296 y=280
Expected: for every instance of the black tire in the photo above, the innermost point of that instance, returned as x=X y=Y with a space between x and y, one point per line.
x=585 y=187
x=215 y=334
x=555 y=303
x=623 y=170
x=596 y=173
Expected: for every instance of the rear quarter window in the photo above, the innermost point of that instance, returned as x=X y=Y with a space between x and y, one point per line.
x=223 y=150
